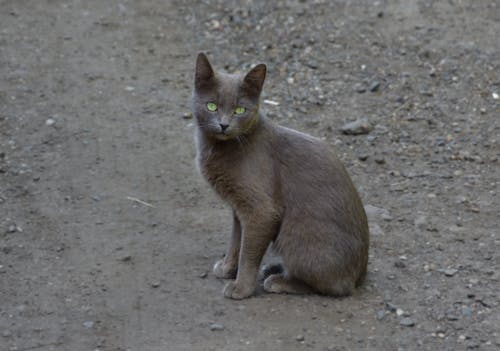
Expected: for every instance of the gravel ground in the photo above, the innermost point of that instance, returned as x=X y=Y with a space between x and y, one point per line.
x=108 y=234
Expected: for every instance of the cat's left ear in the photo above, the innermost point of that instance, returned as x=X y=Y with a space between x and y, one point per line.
x=254 y=80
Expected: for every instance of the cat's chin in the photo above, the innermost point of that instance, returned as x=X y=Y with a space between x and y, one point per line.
x=224 y=137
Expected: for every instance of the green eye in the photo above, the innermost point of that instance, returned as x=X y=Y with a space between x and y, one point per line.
x=212 y=107
x=239 y=110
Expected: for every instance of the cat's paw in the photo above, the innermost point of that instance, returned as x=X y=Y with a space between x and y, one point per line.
x=272 y=285
x=238 y=291
x=223 y=270
x=269 y=269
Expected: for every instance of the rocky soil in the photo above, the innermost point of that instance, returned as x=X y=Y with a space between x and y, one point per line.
x=108 y=235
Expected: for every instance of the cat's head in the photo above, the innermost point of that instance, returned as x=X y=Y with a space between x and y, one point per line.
x=226 y=105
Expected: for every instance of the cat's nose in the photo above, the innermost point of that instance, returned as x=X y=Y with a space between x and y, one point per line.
x=223 y=126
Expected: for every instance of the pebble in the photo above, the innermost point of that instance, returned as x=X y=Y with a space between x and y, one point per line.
x=452 y=315
x=391 y=307
x=374 y=86
x=359 y=88
x=421 y=222
x=312 y=64
x=363 y=157
x=50 y=122
x=126 y=258
x=407 y=322
x=380 y=315
x=374 y=213
x=88 y=324
x=216 y=327
x=187 y=115
x=399 y=264
x=299 y=337
x=375 y=229
x=450 y=272
x=360 y=126
x=155 y=284
x=203 y=275
x=380 y=160
x=472 y=344
x=466 y=311
x=12 y=229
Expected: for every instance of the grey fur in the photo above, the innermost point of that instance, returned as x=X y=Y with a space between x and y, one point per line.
x=287 y=189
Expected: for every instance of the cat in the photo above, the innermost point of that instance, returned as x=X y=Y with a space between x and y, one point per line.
x=287 y=190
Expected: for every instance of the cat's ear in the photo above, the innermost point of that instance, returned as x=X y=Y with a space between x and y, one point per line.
x=204 y=74
x=254 y=80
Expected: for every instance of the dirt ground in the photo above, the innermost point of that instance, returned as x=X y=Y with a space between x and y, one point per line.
x=108 y=234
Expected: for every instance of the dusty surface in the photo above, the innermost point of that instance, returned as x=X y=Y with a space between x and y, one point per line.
x=93 y=104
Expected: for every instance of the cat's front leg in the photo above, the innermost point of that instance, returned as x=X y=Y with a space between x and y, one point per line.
x=256 y=237
x=227 y=267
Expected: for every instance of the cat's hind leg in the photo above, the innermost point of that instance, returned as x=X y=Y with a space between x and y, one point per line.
x=268 y=269
x=284 y=284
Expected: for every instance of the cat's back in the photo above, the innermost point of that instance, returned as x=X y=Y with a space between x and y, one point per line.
x=312 y=174
x=306 y=155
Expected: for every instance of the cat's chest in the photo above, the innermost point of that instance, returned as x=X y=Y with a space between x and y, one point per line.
x=221 y=168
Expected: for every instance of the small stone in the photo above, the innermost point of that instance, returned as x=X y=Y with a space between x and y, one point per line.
x=129 y=88
x=399 y=312
x=407 y=322
x=374 y=86
x=471 y=344
x=363 y=157
x=12 y=229
x=203 y=275
x=375 y=229
x=399 y=264
x=360 y=126
x=50 y=122
x=374 y=213
x=452 y=315
x=421 y=222
x=466 y=311
x=300 y=337
x=126 y=258
x=359 y=88
x=187 y=115
x=380 y=160
x=380 y=315
x=495 y=96
x=155 y=285
x=450 y=272
x=216 y=327
x=391 y=307
x=6 y=333
x=88 y=324
x=312 y=64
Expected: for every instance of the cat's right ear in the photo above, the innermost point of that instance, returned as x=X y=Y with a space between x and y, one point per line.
x=204 y=74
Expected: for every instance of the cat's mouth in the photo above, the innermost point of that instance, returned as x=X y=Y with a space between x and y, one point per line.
x=223 y=136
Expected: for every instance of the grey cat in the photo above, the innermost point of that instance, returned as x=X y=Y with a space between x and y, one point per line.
x=286 y=189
